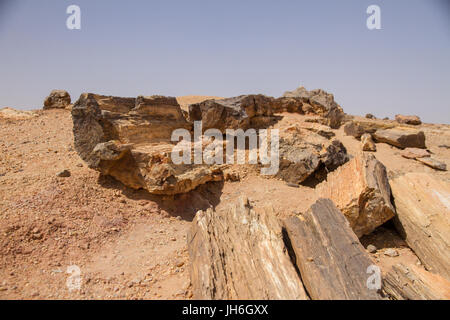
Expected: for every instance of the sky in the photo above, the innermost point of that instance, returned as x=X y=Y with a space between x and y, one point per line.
x=229 y=48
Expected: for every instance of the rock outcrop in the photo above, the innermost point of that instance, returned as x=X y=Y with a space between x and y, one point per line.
x=58 y=99
x=433 y=163
x=423 y=211
x=129 y=139
x=318 y=102
x=408 y=282
x=332 y=262
x=243 y=112
x=240 y=254
x=360 y=189
x=401 y=138
x=413 y=120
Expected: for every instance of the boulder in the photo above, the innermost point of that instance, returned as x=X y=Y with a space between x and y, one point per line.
x=302 y=152
x=367 y=142
x=433 y=163
x=239 y=253
x=319 y=102
x=414 y=120
x=408 y=282
x=414 y=153
x=243 y=112
x=332 y=262
x=58 y=99
x=353 y=129
x=360 y=189
x=401 y=138
x=129 y=139
x=370 y=116
x=423 y=210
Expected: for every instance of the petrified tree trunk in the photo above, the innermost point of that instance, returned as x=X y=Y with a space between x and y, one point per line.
x=412 y=283
x=332 y=262
x=423 y=218
x=240 y=254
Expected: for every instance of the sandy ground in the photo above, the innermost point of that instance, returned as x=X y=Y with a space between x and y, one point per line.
x=129 y=244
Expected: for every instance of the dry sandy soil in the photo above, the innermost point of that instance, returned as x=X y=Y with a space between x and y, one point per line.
x=129 y=244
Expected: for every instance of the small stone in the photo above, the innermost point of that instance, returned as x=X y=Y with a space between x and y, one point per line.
x=63 y=174
x=367 y=142
x=80 y=165
x=371 y=248
x=414 y=153
x=391 y=253
x=370 y=116
x=293 y=185
x=433 y=163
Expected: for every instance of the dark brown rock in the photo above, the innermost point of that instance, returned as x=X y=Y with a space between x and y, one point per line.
x=58 y=99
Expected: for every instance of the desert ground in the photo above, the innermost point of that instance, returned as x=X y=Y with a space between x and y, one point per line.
x=128 y=243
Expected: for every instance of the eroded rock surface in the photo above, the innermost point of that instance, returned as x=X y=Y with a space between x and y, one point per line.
x=58 y=99
x=401 y=138
x=360 y=189
x=129 y=139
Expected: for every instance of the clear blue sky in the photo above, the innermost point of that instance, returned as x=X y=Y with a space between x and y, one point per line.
x=228 y=48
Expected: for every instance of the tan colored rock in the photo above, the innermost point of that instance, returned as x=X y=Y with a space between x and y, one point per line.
x=58 y=99
x=240 y=254
x=408 y=282
x=401 y=138
x=414 y=120
x=423 y=211
x=367 y=142
x=332 y=262
x=13 y=114
x=433 y=163
x=129 y=139
x=415 y=153
x=360 y=189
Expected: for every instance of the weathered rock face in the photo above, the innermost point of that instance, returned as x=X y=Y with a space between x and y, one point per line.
x=353 y=129
x=408 y=282
x=129 y=139
x=340 y=273
x=414 y=120
x=302 y=152
x=415 y=153
x=401 y=138
x=58 y=99
x=240 y=254
x=360 y=189
x=319 y=102
x=243 y=112
x=367 y=142
x=423 y=211
x=357 y=128
x=433 y=163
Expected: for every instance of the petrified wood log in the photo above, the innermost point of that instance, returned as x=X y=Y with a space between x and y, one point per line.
x=423 y=218
x=332 y=262
x=240 y=254
x=412 y=283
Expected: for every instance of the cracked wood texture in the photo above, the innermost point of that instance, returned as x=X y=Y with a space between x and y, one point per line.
x=423 y=218
x=412 y=283
x=332 y=262
x=240 y=254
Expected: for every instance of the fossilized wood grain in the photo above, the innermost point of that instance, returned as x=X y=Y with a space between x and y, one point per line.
x=240 y=254
x=332 y=262
x=412 y=283
x=423 y=218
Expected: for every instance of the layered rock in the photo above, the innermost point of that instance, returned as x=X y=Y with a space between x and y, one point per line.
x=413 y=120
x=332 y=262
x=408 y=282
x=303 y=152
x=401 y=138
x=318 y=102
x=415 y=153
x=243 y=112
x=423 y=211
x=240 y=254
x=129 y=139
x=360 y=189
x=58 y=99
